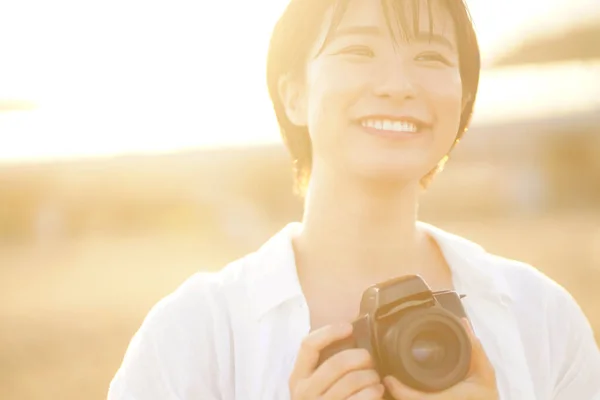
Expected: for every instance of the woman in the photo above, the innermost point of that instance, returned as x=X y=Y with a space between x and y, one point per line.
x=371 y=96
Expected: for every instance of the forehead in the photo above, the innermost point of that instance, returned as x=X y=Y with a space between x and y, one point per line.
x=403 y=18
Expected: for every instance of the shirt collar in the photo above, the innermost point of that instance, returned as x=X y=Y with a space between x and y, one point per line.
x=273 y=276
x=469 y=263
x=274 y=279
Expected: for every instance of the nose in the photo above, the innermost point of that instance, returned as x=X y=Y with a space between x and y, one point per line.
x=394 y=81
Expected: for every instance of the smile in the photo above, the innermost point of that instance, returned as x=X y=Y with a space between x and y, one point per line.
x=390 y=125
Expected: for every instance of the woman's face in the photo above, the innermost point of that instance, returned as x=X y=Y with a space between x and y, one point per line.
x=376 y=105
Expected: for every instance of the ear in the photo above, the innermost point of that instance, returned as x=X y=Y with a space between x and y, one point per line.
x=292 y=97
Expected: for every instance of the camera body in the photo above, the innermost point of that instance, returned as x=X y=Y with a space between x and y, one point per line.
x=412 y=333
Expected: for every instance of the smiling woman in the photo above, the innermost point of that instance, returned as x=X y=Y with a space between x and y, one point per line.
x=371 y=97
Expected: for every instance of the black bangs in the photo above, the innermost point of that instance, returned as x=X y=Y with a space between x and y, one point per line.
x=339 y=9
x=403 y=16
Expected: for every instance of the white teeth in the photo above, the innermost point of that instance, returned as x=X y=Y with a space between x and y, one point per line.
x=389 y=125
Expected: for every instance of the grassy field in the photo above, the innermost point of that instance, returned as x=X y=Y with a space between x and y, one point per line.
x=69 y=309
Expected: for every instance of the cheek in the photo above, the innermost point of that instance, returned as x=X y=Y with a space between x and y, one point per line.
x=320 y=106
x=445 y=94
x=330 y=92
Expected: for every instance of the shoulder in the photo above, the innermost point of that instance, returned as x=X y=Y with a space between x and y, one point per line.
x=207 y=299
x=206 y=293
x=540 y=304
x=519 y=280
x=557 y=335
x=202 y=301
x=526 y=286
x=537 y=301
x=182 y=347
x=523 y=280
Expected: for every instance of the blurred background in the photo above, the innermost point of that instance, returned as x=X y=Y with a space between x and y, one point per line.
x=138 y=146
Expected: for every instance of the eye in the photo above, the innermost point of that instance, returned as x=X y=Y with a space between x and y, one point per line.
x=433 y=57
x=361 y=51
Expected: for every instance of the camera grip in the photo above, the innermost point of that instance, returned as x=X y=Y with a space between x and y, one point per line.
x=336 y=347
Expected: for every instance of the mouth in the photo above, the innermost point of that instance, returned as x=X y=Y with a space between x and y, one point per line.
x=393 y=126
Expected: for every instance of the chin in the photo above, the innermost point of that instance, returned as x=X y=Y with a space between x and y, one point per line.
x=392 y=173
x=409 y=165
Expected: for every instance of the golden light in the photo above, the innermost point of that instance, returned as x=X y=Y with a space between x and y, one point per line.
x=122 y=76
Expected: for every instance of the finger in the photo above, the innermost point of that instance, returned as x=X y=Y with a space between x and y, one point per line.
x=308 y=355
x=352 y=383
x=402 y=392
x=374 y=392
x=336 y=367
x=481 y=367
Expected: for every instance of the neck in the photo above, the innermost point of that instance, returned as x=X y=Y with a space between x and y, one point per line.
x=358 y=231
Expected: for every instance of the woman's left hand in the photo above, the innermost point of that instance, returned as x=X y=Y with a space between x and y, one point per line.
x=480 y=383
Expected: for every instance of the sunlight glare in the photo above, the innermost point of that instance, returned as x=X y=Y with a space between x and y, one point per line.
x=122 y=76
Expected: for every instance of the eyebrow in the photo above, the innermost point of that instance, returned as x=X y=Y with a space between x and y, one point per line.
x=421 y=37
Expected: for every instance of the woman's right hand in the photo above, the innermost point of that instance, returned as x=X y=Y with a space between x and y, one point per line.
x=347 y=375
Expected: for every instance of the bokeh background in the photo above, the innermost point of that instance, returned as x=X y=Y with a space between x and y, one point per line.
x=138 y=146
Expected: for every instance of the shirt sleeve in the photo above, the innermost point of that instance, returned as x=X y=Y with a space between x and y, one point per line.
x=173 y=355
x=576 y=353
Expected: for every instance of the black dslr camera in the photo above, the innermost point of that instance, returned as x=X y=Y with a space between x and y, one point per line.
x=412 y=333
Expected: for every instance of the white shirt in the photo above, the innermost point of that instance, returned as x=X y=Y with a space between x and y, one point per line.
x=234 y=334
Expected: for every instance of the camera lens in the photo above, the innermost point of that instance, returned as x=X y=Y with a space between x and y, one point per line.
x=427 y=349
x=434 y=348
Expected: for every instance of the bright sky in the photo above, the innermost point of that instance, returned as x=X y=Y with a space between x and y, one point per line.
x=119 y=76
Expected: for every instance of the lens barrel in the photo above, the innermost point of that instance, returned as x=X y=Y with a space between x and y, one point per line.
x=427 y=349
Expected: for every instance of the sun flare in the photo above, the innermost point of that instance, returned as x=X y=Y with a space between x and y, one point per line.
x=117 y=77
